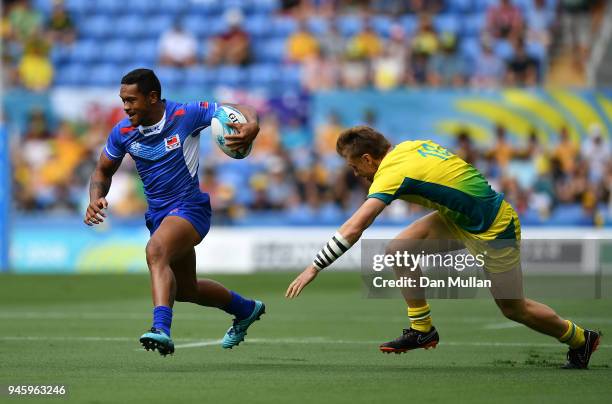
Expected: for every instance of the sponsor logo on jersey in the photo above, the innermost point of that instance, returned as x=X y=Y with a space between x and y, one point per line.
x=153 y=129
x=204 y=104
x=172 y=142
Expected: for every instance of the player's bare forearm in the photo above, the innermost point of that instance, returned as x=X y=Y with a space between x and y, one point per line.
x=349 y=234
x=98 y=189
x=354 y=227
x=102 y=177
x=99 y=185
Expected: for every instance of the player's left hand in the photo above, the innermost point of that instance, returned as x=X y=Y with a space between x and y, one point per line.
x=303 y=279
x=245 y=136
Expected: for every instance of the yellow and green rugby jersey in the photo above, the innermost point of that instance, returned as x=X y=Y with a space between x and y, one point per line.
x=425 y=173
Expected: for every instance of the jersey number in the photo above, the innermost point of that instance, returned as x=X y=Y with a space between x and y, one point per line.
x=435 y=151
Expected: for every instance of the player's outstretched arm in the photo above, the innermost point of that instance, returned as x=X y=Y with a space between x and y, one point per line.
x=247 y=132
x=99 y=185
x=349 y=234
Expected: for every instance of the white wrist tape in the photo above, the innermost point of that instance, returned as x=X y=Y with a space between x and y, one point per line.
x=334 y=248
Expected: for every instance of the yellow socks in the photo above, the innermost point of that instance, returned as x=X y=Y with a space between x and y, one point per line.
x=420 y=318
x=574 y=336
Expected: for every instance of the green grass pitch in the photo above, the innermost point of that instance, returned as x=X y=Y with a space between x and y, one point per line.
x=82 y=331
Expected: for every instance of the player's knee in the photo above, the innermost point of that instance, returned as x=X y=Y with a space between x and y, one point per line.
x=156 y=253
x=403 y=245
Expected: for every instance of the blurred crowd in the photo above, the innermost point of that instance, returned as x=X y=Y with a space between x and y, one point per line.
x=27 y=40
x=383 y=44
x=294 y=175
x=513 y=48
x=541 y=176
x=297 y=177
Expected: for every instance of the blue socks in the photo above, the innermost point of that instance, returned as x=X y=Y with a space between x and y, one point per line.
x=162 y=318
x=240 y=307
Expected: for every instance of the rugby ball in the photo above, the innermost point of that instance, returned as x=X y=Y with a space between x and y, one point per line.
x=219 y=129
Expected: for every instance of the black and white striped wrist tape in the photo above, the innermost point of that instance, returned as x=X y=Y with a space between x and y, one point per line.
x=334 y=248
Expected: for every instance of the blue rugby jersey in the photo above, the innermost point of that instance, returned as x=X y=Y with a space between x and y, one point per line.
x=167 y=153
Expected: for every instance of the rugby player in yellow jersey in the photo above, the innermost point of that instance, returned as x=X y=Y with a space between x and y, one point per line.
x=466 y=209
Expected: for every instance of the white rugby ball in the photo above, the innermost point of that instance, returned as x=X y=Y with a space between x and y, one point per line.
x=219 y=128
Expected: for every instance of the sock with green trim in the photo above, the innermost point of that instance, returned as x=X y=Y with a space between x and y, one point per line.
x=420 y=318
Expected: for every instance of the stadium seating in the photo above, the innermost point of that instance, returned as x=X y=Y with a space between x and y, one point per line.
x=131 y=33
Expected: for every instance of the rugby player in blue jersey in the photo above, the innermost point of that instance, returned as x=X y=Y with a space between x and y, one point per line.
x=162 y=137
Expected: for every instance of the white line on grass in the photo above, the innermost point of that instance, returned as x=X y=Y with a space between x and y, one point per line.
x=94 y=316
x=319 y=340
x=197 y=343
x=502 y=326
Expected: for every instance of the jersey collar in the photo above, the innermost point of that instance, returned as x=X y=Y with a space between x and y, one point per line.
x=153 y=129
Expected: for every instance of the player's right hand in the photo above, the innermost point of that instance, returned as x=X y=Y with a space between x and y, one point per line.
x=95 y=212
x=303 y=279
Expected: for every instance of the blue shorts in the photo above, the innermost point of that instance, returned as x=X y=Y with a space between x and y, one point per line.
x=195 y=210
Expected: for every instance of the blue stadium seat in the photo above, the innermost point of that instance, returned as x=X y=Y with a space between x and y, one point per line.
x=128 y=67
x=145 y=51
x=569 y=215
x=270 y=51
x=206 y=8
x=262 y=75
x=349 y=25
x=474 y=24
x=284 y=26
x=117 y=51
x=409 y=23
x=203 y=49
x=524 y=5
x=76 y=7
x=72 y=74
x=199 y=77
x=85 y=51
x=503 y=49
x=537 y=50
x=99 y=27
x=169 y=76
x=459 y=6
x=470 y=48
x=257 y=26
x=241 y=4
x=107 y=7
x=483 y=5
x=104 y=75
x=142 y=7
x=130 y=26
x=172 y=8
x=382 y=25
x=446 y=23
x=42 y=6
x=215 y=26
x=318 y=25
x=264 y=6
x=232 y=76
x=158 y=24
x=196 y=25
x=531 y=217
x=291 y=76
x=60 y=54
